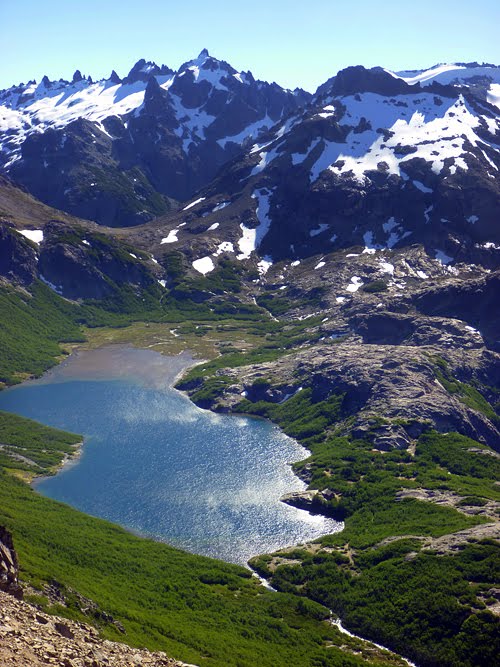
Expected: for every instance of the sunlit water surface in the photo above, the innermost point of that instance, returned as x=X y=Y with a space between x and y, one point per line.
x=158 y=465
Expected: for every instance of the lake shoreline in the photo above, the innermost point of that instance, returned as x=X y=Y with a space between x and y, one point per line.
x=258 y=474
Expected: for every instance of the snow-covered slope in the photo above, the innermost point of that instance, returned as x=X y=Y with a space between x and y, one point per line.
x=485 y=77
x=439 y=130
x=378 y=164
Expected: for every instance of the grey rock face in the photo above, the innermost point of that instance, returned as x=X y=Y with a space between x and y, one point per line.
x=9 y=566
x=18 y=258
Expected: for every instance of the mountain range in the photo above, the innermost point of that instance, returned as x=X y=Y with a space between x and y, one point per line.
x=357 y=228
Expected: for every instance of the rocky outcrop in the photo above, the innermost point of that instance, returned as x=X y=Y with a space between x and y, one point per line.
x=82 y=265
x=358 y=79
x=30 y=638
x=75 y=169
x=18 y=257
x=313 y=501
x=9 y=567
x=475 y=301
x=391 y=393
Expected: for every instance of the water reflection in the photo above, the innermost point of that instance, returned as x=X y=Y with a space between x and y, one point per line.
x=160 y=466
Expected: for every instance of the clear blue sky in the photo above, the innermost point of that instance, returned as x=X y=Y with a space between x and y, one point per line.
x=295 y=43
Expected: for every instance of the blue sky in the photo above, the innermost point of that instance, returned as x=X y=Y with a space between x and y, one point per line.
x=292 y=43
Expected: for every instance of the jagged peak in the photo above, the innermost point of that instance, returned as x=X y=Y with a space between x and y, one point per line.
x=114 y=78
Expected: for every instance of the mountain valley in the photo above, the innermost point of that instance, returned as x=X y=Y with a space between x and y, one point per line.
x=335 y=260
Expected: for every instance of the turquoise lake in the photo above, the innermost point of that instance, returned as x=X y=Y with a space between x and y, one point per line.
x=161 y=467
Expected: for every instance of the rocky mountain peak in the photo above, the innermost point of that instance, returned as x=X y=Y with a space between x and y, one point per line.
x=114 y=78
x=141 y=71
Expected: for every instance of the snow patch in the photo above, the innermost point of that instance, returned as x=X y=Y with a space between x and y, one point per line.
x=386 y=267
x=225 y=246
x=212 y=227
x=370 y=247
x=35 y=235
x=252 y=238
x=442 y=257
x=298 y=158
x=171 y=238
x=264 y=265
x=319 y=265
x=355 y=284
x=493 y=94
x=56 y=288
x=193 y=203
x=203 y=265
x=395 y=232
x=220 y=206
x=436 y=132
x=423 y=188
x=318 y=230
x=427 y=213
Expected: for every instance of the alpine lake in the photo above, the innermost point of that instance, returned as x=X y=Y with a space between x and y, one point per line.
x=161 y=467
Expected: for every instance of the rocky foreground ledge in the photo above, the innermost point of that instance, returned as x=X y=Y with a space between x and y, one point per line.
x=29 y=638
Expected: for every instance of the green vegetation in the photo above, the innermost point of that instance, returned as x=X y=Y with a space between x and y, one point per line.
x=32 y=327
x=130 y=189
x=279 y=340
x=32 y=447
x=453 y=453
x=299 y=416
x=375 y=286
x=278 y=305
x=225 y=278
x=424 y=605
x=465 y=393
x=427 y=605
x=274 y=304
x=194 y=608
x=386 y=574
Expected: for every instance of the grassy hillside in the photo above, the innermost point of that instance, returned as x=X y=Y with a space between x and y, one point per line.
x=32 y=328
